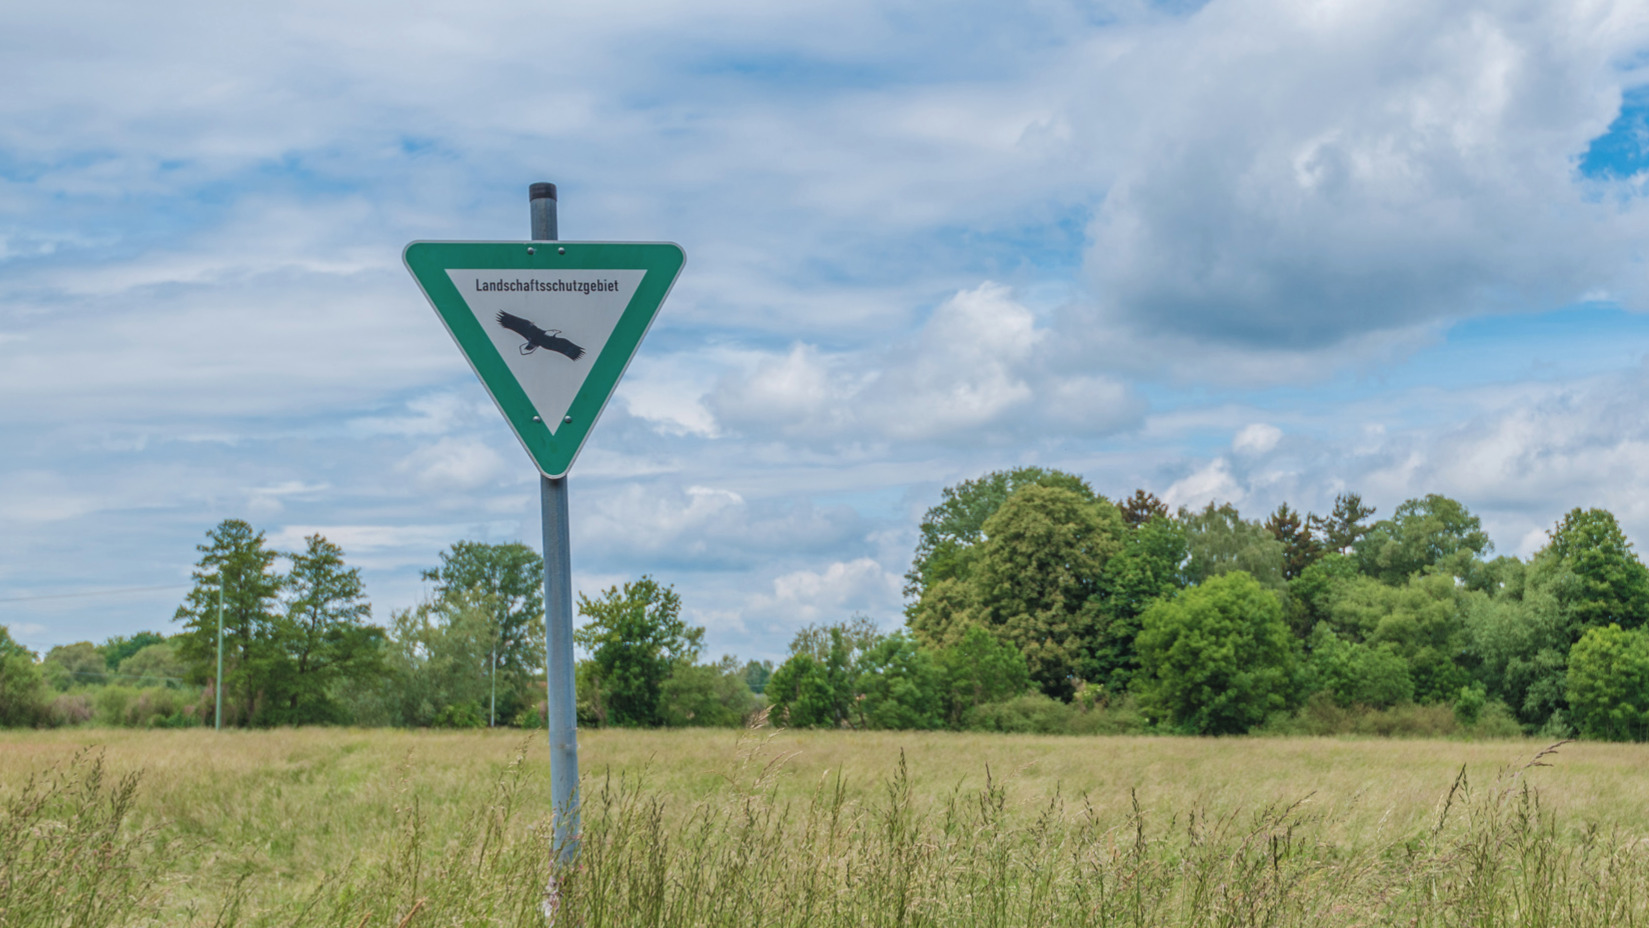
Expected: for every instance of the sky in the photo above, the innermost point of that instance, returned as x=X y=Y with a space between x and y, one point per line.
x=1252 y=251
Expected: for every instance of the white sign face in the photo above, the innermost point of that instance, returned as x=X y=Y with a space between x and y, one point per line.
x=549 y=326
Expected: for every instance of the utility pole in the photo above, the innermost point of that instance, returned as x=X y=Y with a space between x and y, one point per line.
x=218 y=684
x=560 y=694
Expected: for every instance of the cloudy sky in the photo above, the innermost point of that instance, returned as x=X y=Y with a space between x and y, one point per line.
x=1253 y=250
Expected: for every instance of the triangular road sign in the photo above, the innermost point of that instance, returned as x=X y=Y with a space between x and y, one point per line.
x=549 y=327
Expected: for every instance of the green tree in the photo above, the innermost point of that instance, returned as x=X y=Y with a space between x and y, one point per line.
x=1423 y=622
x=22 y=691
x=635 y=637
x=1301 y=548
x=898 y=686
x=979 y=669
x=509 y=577
x=706 y=695
x=155 y=665
x=1219 y=540
x=117 y=648
x=1341 y=528
x=235 y=560
x=438 y=654
x=1145 y=570
x=1608 y=684
x=1432 y=532
x=1353 y=673
x=756 y=675
x=807 y=692
x=952 y=530
x=321 y=636
x=1518 y=645
x=1311 y=594
x=1038 y=580
x=78 y=664
x=1593 y=571
x=1217 y=658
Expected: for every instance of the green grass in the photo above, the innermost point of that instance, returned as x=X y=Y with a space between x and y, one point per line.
x=354 y=828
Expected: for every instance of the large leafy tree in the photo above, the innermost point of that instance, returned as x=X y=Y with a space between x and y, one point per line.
x=1594 y=573
x=322 y=635
x=1608 y=683
x=812 y=692
x=119 y=647
x=438 y=654
x=1220 y=540
x=509 y=580
x=1146 y=569
x=952 y=530
x=1433 y=532
x=1038 y=581
x=978 y=669
x=899 y=686
x=1216 y=659
x=635 y=637
x=22 y=691
x=236 y=561
x=1138 y=510
x=1423 y=622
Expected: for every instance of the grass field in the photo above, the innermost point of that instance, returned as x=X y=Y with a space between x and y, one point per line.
x=352 y=828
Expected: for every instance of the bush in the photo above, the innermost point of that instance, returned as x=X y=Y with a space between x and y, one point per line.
x=1608 y=684
x=69 y=709
x=1217 y=659
x=1029 y=714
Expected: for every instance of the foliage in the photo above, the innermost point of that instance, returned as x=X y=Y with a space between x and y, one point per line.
x=1311 y=594
x=952 y=530
x=635 y=637
x=438 y=659
x=22 y=691
x=979 y=669
x=707 y=695
x=69 y=664
x=1341 y=529
x=1594 y=573
x=1217 y=658
x=1141 y=508
x=756 y=674
x=1608 y=684
x=116 y=649
x=509 y=579
x=1421 y=622
x=1353 y=673
x=1219 y=540
x=321 y=638
x=236 y=563
x=1039 y=576
x=1434 y=532
x=806 y=692
x=154 y=665
x=898 y=686
x=1301 y=547
x=1145 y=570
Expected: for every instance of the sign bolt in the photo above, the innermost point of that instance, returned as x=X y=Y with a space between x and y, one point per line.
x=529 y=250
x=566 y=418
x=536 y=419
x=561 y=251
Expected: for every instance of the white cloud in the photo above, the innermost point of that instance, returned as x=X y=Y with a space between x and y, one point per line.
x=1256 y=438
x=453 y=463
x=831 y=595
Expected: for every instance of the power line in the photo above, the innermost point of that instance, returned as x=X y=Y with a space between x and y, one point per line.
x=129 y=589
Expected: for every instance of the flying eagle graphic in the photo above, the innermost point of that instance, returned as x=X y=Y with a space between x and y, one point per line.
x=538 y=338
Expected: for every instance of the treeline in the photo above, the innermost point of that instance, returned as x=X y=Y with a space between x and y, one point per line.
x=1034 y=604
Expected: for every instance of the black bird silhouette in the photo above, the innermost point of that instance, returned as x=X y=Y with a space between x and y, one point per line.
x=538 y=338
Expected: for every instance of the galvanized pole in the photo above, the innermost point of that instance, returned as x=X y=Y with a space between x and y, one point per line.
x=561 y=694
x=218 y=684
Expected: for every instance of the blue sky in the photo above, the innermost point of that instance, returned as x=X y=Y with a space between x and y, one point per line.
x=1252 y=251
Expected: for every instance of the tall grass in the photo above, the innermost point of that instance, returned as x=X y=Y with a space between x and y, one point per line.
x=751 y=850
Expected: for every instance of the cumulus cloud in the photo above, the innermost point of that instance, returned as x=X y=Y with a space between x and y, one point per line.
x=1306 y=174
x=830 y=595
x=974 y=370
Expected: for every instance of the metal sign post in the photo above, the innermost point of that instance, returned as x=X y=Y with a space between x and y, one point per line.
x=561 y=692
x=550 y=327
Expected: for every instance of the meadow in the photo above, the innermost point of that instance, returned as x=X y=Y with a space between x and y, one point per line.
x=688 y=827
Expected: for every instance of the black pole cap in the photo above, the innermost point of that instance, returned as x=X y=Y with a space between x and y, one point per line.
x=541 y=191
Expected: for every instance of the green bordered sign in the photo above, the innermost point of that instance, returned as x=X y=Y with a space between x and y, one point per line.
x=549 y=327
